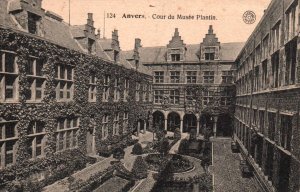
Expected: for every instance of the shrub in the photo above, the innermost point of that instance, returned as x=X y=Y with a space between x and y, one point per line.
x=177 y=134
x=193 y=134
x=118 y=153
x=183 y=146
x=139 y=169
x=137 y=149
x=160 y=134
x=163 y=146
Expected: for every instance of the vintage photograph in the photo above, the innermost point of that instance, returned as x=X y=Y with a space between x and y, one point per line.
x=149 y=96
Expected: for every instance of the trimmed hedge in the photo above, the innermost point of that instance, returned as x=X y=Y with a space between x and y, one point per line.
x=139 y=169
x=137 y=149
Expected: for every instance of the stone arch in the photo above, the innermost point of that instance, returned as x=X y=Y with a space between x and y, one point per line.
x=173 y=121
x=158 y=119
x=206 y=123
x=189 y=122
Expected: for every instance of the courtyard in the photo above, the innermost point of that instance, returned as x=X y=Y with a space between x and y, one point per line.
x=224 y=170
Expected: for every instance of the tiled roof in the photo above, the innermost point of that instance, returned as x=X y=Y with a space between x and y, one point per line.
x=228 y=52
x=77 y=31
x=61 y=33
x=104 y=50
x=5 y=18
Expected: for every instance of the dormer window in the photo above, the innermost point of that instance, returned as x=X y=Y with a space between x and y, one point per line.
x=116 y=56
x=175 y=57
x=90 y=45
x=210 y=53
x=33 y=23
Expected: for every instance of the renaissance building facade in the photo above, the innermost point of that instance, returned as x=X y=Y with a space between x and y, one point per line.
x=193 y=85
x=267 y=100
x=65 y=94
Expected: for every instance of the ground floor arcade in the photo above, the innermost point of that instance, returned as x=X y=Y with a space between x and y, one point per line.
x=217 y=124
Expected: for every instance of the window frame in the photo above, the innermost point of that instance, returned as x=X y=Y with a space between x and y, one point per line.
x=175 y=77
x=6 y=76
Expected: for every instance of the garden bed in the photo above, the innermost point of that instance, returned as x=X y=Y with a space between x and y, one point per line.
x=201 y=183
x=176 y=163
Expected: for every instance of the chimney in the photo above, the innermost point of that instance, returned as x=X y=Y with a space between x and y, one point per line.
x=115 y=36
x=176 y=33
x=210 y=30
x=90 y=16
x=137 y=43
x=90 y=20
x=98 y=34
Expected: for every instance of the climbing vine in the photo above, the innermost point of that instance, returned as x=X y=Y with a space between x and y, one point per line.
x=49 y=109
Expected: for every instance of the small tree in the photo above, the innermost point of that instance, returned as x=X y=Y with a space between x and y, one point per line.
x=183 y=146
x=160 y=134
x=163 y=146
x=137 y=149
x=177 y=134
x=207 y=133
x=193 y=134
x=139 y=169
x=118 y=153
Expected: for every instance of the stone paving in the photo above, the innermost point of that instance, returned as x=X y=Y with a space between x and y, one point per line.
x=226 y=171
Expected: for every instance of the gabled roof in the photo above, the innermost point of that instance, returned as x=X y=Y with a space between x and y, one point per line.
x=58 y=32
x=78 y=31
x=228 y=52
x=105 y=51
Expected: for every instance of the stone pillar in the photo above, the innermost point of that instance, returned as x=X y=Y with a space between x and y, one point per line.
x=145 y=126
x=215 y=120
x=166 y=124
x=181 y=126
x=198 y=126
x=138 y=128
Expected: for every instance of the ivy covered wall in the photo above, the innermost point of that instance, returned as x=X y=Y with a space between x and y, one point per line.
x=49 y=110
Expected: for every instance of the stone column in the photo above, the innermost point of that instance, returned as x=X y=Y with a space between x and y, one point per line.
x=145 y=126
x=138 y=128
x=166 y=124
x=215 y=120
x=181 y=126
x=198 y=126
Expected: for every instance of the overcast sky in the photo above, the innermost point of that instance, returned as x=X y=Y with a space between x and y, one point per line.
x=229 y=25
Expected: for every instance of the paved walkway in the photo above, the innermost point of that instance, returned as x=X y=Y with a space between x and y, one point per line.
x=84 y=174
x=174 y=148
x=226 y=171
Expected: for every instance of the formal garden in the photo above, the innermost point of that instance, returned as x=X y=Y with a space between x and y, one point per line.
x=153 y=165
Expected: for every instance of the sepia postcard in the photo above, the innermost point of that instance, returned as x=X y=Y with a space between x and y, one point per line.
x=149 y=96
